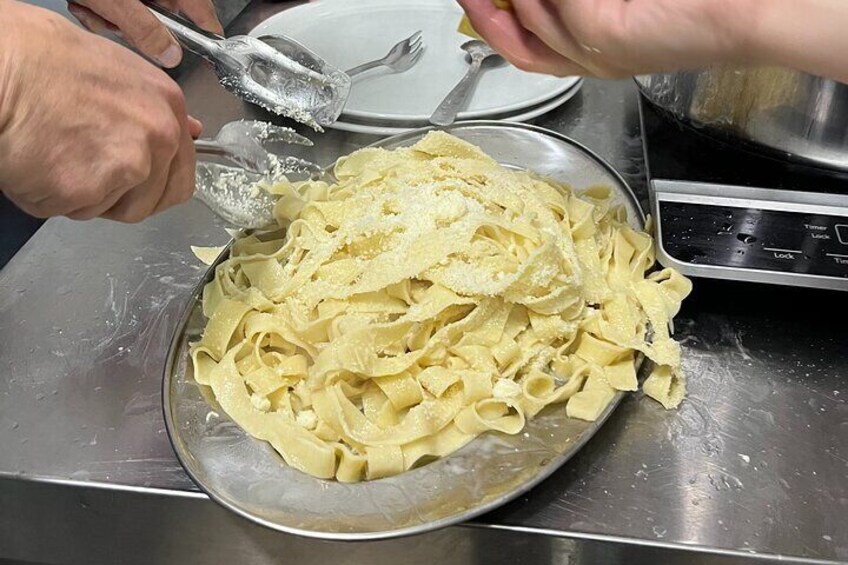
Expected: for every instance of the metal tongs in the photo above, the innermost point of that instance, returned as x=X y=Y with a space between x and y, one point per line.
x=258 y=73
x=234 y=190
x=242 y=143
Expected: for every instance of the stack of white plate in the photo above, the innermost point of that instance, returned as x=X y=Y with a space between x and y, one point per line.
x=347 y=33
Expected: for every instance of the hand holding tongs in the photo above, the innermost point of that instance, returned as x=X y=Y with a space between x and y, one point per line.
x=256 y=72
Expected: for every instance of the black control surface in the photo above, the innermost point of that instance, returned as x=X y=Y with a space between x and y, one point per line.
x=755 y=239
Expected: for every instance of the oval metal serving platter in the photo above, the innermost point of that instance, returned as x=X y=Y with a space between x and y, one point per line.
x=248 y=477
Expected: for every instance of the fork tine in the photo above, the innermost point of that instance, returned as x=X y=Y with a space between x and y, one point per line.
x=416 y=56
x=400 y=57
x=416 y=43
x=277 y=134
x=297 y=165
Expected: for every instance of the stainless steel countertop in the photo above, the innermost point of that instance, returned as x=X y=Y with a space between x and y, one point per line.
x=754 y=462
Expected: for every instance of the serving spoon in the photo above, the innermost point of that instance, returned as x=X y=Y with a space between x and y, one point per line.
x=478 y=52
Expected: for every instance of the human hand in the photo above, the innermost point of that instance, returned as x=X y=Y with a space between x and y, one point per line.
x=87 y=128
x=134 y=22
x=615 y=38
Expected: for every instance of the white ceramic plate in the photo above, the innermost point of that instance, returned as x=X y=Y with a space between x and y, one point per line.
x=522 y=116
x=349 y=32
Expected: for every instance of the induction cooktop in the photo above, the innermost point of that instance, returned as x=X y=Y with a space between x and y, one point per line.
x=727 y=212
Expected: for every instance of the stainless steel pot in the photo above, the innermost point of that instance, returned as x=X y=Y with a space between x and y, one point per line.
x=793 y=115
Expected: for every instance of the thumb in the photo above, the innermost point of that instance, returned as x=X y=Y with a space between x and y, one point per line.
x=141 y=28
x=195 y=127
x=152 y=39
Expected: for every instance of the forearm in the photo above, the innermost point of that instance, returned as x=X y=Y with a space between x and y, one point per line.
x=808 y=35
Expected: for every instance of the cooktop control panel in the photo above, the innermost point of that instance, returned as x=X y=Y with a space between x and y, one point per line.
x=744 y=233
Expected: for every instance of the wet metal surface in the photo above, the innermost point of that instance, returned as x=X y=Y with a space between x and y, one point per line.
x=755 y=461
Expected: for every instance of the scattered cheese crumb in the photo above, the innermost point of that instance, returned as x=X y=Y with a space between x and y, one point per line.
x=260 y=402
x=506 y=388
x=307 y=419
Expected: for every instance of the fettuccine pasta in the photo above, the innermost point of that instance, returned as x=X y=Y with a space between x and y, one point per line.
x=430 y=296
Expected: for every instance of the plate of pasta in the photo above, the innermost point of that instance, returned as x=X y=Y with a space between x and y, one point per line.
x=434 y=329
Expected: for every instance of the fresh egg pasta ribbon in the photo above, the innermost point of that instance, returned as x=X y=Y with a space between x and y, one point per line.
x=430 y=296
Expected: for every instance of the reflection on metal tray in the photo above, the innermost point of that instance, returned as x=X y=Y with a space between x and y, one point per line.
x=249 y=478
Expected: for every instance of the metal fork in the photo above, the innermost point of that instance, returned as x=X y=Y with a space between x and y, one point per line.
x=400 y=59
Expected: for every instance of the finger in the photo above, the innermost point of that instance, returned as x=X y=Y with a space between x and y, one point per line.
x=588 y=49
x=138 y=203
x=35 y=207
x=97 y=210
x=89 y=20
x=141 y=28
x=74 y=189
x=55 y=205
x=34 y=211
x=170 y=5
x=195 y=127
x=202 y=12
x=502 y=30
x=181 y=176
x=542 y=20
